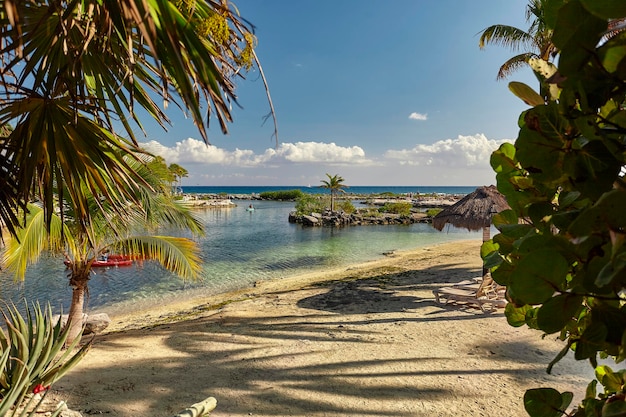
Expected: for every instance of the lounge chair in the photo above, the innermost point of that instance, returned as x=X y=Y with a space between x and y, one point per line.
x=485 y=294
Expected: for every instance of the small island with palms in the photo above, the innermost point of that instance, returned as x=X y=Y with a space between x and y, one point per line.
x=330 y=210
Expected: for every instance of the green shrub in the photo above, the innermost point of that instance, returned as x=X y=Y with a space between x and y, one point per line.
x=369 y=212
x=433 y=212
x=309 y=203
x=345 y=205
x=402 y=208
x=285 y=195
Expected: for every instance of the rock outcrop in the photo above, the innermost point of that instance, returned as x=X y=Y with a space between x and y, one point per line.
x=339 y=219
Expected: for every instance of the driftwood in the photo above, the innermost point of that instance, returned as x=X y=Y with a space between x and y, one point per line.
x=199 y=409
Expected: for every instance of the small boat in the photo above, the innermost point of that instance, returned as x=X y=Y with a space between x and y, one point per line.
x=250 y=208
x=110 y=260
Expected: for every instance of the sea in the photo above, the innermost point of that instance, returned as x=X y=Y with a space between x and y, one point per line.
x=240 y=248
x=316 y=189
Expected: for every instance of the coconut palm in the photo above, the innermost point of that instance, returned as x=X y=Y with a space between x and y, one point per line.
x=536 y=42
x=335 y=185
x=73 y=75
x=130 y=233
x=179 y=173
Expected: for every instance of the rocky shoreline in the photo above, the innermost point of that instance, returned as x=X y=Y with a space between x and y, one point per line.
x=420 y=205
x=338 y=219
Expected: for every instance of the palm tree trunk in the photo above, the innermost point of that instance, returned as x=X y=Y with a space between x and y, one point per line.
x=78 y=282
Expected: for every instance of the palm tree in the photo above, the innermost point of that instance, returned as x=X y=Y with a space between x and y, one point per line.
x=179 y=173
x=73 y=75
x=536 y=41
x=130 y=233
x=334 y=184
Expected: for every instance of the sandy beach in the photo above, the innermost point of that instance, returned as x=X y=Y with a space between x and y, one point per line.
x=367 y=340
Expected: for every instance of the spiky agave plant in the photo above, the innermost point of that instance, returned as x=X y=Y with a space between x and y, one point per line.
x=32 y=356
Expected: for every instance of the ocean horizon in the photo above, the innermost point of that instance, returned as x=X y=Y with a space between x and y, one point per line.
x=316 y=189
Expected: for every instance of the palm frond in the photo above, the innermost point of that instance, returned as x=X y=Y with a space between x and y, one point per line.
x=74 y=71
x=33 y=239
x=178 y=255
x=507 y=36
x=513 y=64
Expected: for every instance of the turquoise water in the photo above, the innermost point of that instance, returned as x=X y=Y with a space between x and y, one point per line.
x=240 y=247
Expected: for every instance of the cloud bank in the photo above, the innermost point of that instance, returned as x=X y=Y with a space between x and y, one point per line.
x=193 y=151
x=460 y=161
x=464 y=151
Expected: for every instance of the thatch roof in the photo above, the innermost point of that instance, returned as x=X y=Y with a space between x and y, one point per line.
x=474 y=211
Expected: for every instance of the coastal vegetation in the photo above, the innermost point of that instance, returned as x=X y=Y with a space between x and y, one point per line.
x=536 y=40
x=72 y=173
x=403 y=208
x=34 y=355
x=560 y=249
x=316 y=203
x=133 y=233
x=67 y=92
x=281 y=195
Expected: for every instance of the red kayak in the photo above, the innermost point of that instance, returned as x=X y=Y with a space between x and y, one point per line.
x=112 y=260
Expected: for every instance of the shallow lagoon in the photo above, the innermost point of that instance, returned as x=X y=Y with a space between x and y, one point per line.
x=240 y=247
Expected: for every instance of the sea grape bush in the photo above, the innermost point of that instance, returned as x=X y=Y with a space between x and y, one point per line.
x=561 y=249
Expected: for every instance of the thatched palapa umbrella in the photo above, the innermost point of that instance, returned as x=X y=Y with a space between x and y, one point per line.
x=474 y=211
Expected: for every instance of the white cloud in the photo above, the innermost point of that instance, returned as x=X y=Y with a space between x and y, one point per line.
x=192 y=151
x=418 y=116
x=318 y=152
x=464 y=151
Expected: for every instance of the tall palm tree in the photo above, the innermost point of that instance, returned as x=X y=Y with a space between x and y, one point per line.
x=130 y=233
x=73 y=74
x=335 y=185
x=536 y=42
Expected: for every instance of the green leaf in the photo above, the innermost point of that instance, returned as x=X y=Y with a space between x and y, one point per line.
x=546 y=402
x=516 y=316
x=576 y=34
x=613 y=58
x=555 y=313
x=606 y=9
x=592 y=389
x=540 y=212
x=611 y=381
x=567 y=198
x=614 y=409
x=505 y=217
x=612 y=271
x=608 y=212
x=540 y=151
x=591 y=341
x=527 y=94
x=538 y=275
x=502 y=274
x=550 y=11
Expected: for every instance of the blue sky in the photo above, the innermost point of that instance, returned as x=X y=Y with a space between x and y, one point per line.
x=381 y=93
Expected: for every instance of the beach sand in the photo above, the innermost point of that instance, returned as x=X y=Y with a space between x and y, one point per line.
x=367 y=340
